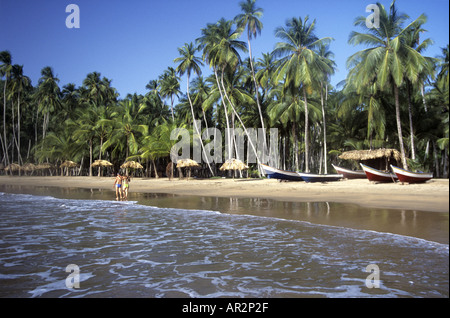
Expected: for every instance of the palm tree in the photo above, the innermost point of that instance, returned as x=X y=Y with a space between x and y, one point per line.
x=386 y=61
x=48 y=96
x=125 y=125
x=5 y=70
x=20 y=84
x=220 y=46
x=326 y=55
x=169 y=86
x=301 y=67
x=250 y=19
x=188 y=63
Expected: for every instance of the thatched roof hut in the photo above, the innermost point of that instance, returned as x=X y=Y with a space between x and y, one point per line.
x=378 y=158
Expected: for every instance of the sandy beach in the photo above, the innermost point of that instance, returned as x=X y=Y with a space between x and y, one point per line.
x=432 y=196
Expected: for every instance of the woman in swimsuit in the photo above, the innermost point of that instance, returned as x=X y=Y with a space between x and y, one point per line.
x=118 y=186
x=126 y=185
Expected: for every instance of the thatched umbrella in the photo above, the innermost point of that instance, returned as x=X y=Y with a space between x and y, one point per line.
x=101 y=163
x=132 y=164
x=68 y=164
x=233 y=164
x=29 y=167
x=187 y=163
x=376 y=156
x=12 y=167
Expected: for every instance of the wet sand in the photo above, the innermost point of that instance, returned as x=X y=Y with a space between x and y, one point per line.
x=432 y=196
x=419 y=210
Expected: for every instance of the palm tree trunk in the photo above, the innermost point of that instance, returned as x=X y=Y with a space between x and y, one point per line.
x=324 y=129
x=196 y=127
x=411 y=128
x=243 y=126
x=4 y=124
x=224 y=108
x=399 y=127
x=306 y=131
x=256 y=86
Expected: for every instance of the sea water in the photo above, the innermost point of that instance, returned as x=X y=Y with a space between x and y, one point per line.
x=128 y=249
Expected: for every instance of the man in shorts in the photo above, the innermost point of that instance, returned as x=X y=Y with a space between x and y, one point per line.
x=118 y=186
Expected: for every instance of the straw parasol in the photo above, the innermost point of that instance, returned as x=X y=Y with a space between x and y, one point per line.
x=187 y=163
x=29 y=167
x=182 y=163
x=101 y=163
x=132 y=164
x=12 y=167
x=68 y=164
x=233 y=164
x=44 y=165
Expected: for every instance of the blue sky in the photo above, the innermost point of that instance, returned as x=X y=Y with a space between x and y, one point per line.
x=133 y=42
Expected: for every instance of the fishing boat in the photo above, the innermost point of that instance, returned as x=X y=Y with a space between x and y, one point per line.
x=274 y=173
x=311 y=177
x=378 y=175
x=350 y=174
x=406 y=176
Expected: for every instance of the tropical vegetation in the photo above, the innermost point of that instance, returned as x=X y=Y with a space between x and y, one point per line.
x=393 y=97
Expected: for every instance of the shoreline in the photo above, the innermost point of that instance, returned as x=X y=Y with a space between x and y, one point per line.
x=419 y=211
x=432 y=196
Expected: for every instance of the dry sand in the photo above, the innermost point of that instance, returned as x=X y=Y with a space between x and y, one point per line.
x=432 y=196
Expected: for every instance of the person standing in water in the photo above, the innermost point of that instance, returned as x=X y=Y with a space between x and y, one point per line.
x=125 y=185
x=118 y=186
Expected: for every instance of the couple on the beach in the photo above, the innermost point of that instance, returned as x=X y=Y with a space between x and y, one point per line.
x=122 y=184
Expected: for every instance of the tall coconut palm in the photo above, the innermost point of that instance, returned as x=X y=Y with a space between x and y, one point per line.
x=220 y=46
x=188 y=63
x=301 y=67
x=326 y=55
x=249 y=18
x=385 y=61
x=414 y=78
x=169 y=86
x=5 y=70
x=20 y=83
x=48 y=96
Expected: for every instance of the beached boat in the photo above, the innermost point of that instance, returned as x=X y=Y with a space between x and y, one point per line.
x=311 y=177
x=406 y=176
x=274 y=173
x=350 y=174
x=378 y=175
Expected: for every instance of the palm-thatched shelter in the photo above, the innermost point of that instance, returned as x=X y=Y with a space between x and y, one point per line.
x=378 y=158
x=132 y=164
x=187 y=163
x=67 y=164
x=233 y=164
x=101 y=163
